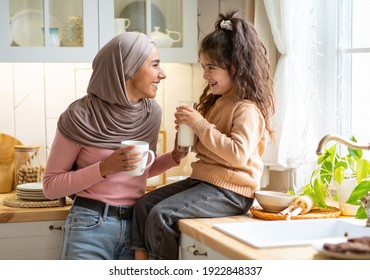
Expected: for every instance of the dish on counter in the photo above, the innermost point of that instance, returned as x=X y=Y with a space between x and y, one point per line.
x=272 y=201
x=31 y=187
x=26 y=28
x=31 y=191
x=344 y=255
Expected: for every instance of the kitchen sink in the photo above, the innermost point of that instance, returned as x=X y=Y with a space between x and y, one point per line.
x=265 y=234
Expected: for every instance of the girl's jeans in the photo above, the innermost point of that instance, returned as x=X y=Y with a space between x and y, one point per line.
x=156 y=213
x=90 y=236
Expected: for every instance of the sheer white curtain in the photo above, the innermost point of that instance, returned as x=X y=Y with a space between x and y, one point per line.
x=294 y=86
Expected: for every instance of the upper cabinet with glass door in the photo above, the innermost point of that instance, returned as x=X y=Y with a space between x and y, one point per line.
x=48 y=30
x=74 y=30
x=172 y=24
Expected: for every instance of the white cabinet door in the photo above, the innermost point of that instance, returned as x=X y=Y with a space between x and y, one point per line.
x=31 y=240
x=79 y=28
x=175 y=22
x=191 y=249
x=72 y=24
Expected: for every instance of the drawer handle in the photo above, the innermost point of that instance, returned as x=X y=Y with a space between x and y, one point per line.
x=51 y=227
x=193 y=250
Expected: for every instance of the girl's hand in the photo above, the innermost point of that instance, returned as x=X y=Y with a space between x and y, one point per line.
x=120 y=160
x=187 y=115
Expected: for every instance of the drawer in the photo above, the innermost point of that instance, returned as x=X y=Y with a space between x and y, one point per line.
x=191 y=249
x=31 y=240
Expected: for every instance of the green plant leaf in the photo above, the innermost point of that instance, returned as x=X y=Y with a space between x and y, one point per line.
x=339 y=174
x=361 y=213
x=359 y=192
x=362 y=170
x=320 y=192
x=355 y=153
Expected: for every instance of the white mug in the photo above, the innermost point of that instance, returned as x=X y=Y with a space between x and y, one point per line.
x=185 y=137
x=143 y=148
x=120 y=25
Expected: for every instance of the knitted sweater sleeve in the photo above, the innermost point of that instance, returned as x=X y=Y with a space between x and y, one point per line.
x=234 y=139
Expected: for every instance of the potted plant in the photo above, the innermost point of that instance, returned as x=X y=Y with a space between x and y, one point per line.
x=332 y=169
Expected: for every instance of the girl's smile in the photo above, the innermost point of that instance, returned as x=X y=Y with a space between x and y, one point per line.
x=218 y=79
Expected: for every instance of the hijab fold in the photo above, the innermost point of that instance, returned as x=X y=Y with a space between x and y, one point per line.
x=105 y=116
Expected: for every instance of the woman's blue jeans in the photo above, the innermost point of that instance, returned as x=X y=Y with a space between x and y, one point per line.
x=88 y=235
x=156 y=213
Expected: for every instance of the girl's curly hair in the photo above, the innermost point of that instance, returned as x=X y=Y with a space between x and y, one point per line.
x=235 y=46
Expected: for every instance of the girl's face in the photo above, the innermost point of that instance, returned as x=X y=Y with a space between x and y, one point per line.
x=144 y=83
x=218 y=79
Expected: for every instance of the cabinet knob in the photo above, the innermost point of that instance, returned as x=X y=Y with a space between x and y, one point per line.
x=51 y=227
x=193 y=250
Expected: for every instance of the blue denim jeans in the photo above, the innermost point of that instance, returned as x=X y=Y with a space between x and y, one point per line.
x=88 y=235
x=156 y=213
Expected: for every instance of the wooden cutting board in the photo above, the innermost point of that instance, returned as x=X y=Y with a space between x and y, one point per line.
x=7 y=162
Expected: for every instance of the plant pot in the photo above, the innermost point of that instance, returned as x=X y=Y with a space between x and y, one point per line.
x=343 y=192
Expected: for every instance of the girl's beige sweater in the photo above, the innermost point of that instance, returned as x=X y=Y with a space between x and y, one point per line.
x=229 y=146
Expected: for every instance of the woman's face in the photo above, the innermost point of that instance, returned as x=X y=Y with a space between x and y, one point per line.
x=218 y=79
x=144 y=83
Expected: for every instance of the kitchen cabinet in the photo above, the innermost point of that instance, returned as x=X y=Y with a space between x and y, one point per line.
x=191 y=249
x=22 y=25
x=31 y=233
x=31 y=240
x=79 y=28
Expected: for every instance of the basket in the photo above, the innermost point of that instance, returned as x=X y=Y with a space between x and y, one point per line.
x=14 y=201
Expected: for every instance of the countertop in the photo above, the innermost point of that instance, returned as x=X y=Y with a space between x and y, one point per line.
x=13 y=215
x=201 y=230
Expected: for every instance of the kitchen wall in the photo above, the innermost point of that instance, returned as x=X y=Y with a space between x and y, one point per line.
x=33 y=95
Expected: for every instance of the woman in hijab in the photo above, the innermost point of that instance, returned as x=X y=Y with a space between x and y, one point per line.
x=86 y=161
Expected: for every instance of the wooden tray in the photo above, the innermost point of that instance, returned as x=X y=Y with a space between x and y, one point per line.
x=7 y=162
x=315 y=213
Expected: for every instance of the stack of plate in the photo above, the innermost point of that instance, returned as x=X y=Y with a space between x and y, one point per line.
x=31 y=191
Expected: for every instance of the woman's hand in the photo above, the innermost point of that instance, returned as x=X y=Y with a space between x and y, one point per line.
x=177 y=155
x=120 y=160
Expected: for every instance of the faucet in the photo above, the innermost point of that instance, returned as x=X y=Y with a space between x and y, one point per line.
x=341 y=140
x=366 y=201
x=353 y=145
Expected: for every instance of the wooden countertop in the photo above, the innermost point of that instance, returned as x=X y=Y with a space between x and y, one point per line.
x=201 y=230
x=13 y=215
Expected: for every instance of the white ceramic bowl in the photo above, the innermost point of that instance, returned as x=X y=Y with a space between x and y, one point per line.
x=272 y=201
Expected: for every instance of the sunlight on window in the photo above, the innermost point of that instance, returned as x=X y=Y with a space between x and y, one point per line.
x=358 y=55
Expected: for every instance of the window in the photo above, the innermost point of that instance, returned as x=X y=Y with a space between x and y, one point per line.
x=354 y=68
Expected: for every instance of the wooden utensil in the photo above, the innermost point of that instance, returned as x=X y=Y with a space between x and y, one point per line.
x=7 y=162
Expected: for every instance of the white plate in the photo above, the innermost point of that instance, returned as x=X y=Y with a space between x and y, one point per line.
x=29 y=198
x=30 y=194
x=26 y=27
x=319 y=246
x=31 y=187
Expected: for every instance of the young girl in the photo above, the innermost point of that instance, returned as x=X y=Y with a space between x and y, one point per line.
x=231 y=124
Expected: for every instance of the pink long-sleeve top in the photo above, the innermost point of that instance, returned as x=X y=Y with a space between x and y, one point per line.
x=86 y=180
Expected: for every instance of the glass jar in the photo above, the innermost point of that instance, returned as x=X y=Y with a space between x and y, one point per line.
x=27 y=164
x=54 y=37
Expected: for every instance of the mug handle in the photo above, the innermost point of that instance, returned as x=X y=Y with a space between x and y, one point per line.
x=152 y=158
x=127 y=23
